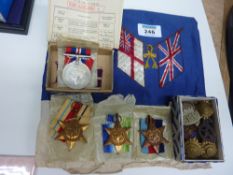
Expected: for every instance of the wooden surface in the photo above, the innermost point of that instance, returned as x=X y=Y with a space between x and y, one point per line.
x=217 y=12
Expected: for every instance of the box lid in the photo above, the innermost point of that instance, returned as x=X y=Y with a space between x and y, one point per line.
x=92 y=20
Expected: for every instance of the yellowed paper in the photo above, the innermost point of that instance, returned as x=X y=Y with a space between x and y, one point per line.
x=93 y=20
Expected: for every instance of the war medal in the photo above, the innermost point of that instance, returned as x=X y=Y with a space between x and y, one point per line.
x=72 y=132
x=76 y=75
x=117 y=135
x=153 y=136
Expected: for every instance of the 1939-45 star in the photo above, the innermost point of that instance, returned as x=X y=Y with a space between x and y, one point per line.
x=72 y=132
x=153 y=136
x=117 y=135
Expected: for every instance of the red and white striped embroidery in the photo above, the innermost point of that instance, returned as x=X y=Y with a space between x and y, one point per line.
x=169 y=63
x=126 y=41
x=130 y=57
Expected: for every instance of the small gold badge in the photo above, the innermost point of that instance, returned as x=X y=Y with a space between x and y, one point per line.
x=72 y=131
x=117 y=135
x=205 y=109
x=193 y=149
x=153 y=136
x=210 y=149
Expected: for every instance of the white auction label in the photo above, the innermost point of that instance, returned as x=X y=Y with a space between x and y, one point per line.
x=149 y=30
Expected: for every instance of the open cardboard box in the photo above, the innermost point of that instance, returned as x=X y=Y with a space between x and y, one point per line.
x=104 y=62
x=178 y=129
x=92 y=22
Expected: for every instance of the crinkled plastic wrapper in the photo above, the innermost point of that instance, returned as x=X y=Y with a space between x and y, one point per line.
x=54 y=153
x=90 y=157
x=24 y=165
x=157 y=113
x=113 y=162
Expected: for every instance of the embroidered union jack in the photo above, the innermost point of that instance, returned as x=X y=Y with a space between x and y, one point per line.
x=170 y=65
x=125 y=42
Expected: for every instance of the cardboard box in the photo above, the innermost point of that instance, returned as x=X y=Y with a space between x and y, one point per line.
x=104 y=62
x=179 y=133
x=84 y=22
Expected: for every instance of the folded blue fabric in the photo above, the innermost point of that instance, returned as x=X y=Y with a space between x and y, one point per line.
x=16 y=11
x=5 y=6
x=171 y=62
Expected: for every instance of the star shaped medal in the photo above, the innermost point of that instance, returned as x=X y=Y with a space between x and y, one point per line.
x=72 y=131
x=153 y=136
x=117 y=135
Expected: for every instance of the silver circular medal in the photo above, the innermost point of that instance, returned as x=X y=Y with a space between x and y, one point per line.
x=76 y=75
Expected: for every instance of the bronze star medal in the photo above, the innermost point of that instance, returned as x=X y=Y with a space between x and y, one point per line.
x=117 y=135
x=72 y=132
x=153 y=136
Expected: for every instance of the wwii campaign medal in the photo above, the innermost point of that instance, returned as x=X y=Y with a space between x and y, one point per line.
x=76 y=75
x=72 y=131
x=153 y=136
x=118 y=136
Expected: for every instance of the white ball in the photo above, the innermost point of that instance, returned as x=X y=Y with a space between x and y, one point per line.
x=76 y=75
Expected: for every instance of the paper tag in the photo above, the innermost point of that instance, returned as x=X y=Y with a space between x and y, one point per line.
x=149 y=30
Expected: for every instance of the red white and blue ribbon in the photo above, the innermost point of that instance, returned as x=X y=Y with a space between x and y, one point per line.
x=88 y=61
x=78 y=51
x=143 y=126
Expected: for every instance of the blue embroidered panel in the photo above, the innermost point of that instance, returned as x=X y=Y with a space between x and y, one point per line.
x=173 y=61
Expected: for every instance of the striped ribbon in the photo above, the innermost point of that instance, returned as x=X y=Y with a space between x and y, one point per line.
x=70 y=109
x=88 y=61
x=78 y=51
x=143 y=126
x=125 y=123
